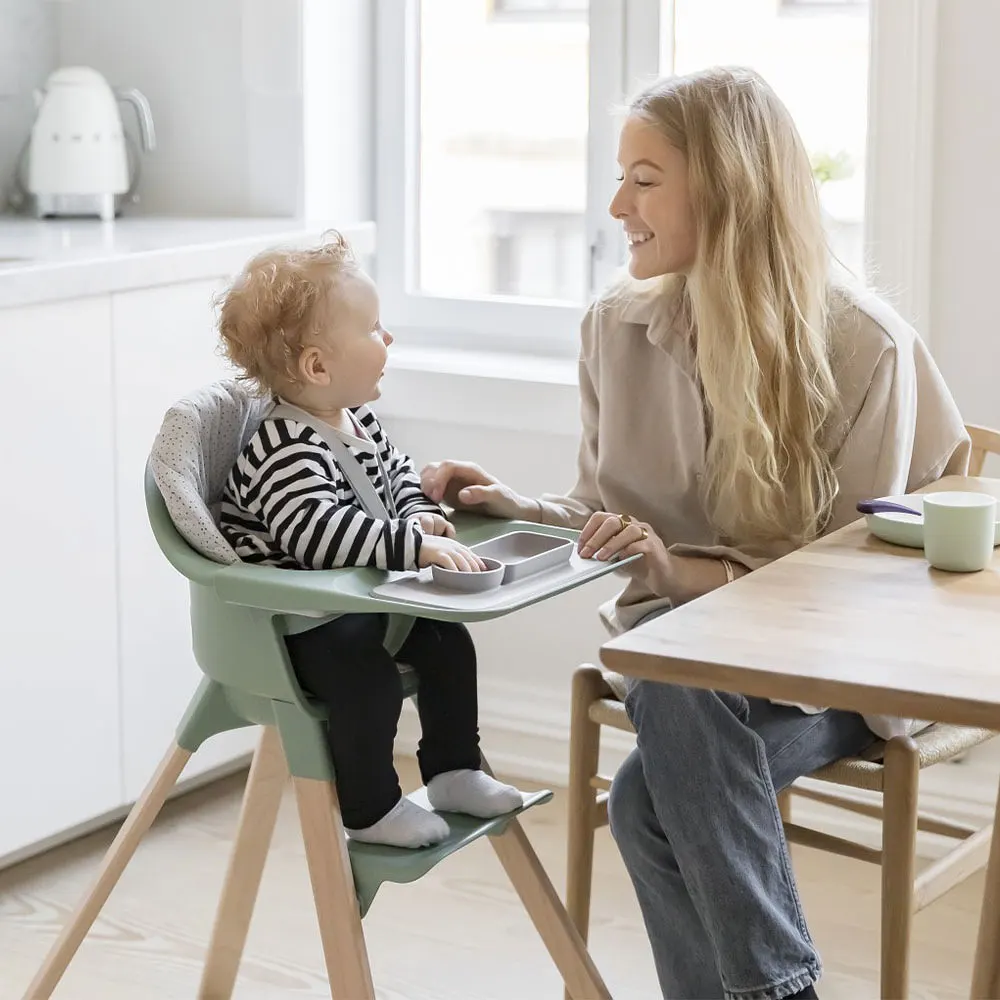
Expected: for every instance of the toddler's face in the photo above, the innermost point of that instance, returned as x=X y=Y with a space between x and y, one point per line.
x=356 y=347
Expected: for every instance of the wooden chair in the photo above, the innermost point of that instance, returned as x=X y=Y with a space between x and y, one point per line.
x=891 y=768
x=985 y=441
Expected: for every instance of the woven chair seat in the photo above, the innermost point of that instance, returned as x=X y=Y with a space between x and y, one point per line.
x=939 y=743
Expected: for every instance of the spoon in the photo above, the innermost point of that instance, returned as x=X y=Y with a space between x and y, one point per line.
x=885 y=507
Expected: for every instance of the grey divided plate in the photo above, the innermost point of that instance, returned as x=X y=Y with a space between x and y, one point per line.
x=471 y=583
x=525 y=553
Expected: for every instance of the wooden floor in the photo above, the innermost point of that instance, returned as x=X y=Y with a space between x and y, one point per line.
x=459 y=934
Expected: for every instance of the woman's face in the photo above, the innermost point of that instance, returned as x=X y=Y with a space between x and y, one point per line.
x=653 y=202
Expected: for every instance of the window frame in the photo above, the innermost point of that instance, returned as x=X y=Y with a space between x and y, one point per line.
x=510 y=225
x=535 y=326
x=625 y=40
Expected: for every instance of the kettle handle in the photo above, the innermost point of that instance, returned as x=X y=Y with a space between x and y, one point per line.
x=142 y=112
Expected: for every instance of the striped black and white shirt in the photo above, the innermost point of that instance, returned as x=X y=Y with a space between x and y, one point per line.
x=287 y=502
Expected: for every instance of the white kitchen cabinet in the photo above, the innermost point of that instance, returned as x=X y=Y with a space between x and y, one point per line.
x=164 y=347
x=102 y=329
x=60 y=759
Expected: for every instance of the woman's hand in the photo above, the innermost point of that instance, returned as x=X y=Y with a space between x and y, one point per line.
x=617 y=536
x=435 y=524
x=681 y=578
x=467 y=486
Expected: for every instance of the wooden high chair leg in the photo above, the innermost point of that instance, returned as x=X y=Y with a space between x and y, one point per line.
x=118 y=856
x=540 y=899
x=333 y=890
x=268 y=774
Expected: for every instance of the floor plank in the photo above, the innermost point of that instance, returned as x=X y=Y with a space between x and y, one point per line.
x=459 y=934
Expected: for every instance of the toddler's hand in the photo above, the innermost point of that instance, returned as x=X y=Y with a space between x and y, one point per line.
x=435 y=524
x=437 y=550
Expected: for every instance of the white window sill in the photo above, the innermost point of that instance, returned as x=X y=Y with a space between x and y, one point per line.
x=505 y=365
x=501 y=390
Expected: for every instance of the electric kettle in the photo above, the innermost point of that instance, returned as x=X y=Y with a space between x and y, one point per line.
x=78 y=153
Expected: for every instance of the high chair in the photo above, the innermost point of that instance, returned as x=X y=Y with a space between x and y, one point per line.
x=891 y=768
x=239 y=616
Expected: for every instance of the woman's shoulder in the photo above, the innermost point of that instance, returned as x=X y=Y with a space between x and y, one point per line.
x=881 y=363
x=863 y=329
x=860 y=318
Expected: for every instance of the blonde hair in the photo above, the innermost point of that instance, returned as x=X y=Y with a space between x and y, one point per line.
x=757 y=300
x=280 y=299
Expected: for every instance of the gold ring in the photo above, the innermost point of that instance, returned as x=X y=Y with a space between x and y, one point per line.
x=625 y=520
x=645 y=533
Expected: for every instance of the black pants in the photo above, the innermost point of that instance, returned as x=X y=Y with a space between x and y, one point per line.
x=344 y=665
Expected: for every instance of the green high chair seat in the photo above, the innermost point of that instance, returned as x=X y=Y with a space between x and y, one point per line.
x=240 y=614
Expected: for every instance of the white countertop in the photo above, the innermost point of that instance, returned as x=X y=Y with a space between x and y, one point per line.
x=51 y=259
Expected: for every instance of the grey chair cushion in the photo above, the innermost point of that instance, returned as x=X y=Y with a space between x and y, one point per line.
x=199 y=440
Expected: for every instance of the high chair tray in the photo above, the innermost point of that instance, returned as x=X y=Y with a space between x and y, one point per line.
x=543 y=568
x=307 y=594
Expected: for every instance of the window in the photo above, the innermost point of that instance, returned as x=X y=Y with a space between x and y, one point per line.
x=496 y=144
x=503 y=131
x=496 y=163
x=538 y=255
x=819 y=67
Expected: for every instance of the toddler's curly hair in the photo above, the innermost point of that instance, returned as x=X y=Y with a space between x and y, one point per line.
x=280 y=298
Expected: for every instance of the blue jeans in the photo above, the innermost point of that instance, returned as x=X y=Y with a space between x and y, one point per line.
x=694 y=812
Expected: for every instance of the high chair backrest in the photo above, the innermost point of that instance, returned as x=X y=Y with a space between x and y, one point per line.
x=200 y=438
x=238 y=642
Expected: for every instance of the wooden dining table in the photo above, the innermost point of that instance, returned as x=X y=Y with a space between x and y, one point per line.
x=849 y=622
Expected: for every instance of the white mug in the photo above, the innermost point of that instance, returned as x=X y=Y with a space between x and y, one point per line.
x=959 y=530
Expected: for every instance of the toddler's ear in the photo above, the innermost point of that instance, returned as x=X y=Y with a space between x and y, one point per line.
x=312 y=367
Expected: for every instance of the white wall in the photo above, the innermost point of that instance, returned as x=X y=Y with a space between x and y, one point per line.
x=27 y=56
x=238 y=134
x=964 y=316
x=223 y=79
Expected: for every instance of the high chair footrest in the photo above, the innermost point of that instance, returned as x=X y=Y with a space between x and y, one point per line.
x=374 y=864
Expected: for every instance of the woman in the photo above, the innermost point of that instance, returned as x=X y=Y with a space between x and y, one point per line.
x=736 y=403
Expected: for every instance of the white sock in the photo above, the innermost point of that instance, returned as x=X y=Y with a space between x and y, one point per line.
x=474 y=793
x=405 y=825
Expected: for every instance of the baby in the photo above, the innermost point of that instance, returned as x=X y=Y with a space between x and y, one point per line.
x=320 y=486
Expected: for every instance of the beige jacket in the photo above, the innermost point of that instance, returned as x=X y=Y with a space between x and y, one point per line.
x=642 y=449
